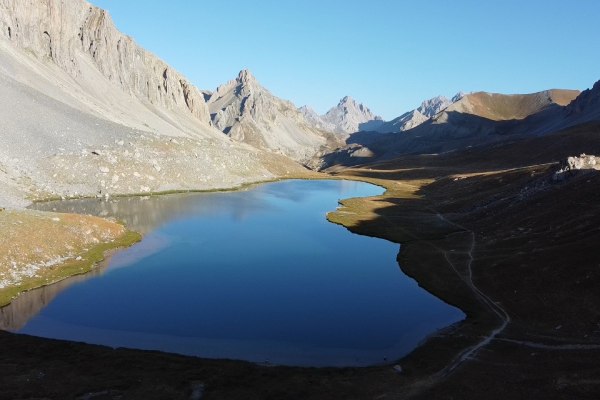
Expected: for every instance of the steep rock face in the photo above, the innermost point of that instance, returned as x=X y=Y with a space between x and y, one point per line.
x=73 y=33
x=249 y=113
x=586 y=107
x=349 y=116
x=431 y=107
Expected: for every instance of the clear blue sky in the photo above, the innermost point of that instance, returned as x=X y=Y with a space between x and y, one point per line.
x=388 y=54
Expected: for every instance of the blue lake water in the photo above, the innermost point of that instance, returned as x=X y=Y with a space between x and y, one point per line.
x=257 y=274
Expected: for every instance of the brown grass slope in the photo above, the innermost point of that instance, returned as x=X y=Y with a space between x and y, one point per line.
x=40 y=248
x=498 y=107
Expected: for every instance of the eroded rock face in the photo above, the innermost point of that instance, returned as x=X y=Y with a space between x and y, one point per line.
x=72 y=33
x=349 y=116
x=431 y=107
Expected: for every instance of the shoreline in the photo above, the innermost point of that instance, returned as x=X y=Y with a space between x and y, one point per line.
x=43 y=248
x=78 y=264
x=352 y=215
x=310 y=175
x=83 y=262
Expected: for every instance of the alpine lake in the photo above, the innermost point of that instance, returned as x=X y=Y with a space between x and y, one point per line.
x=257 y=274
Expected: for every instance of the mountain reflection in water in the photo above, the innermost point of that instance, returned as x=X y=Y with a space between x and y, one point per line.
x=258 y=274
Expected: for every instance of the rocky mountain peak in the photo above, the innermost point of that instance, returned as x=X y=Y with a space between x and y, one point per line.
x=245 y=77
x=427 y=110
x=249 y=113
x=346 y=100
x=457 y=97
x=351 y=116
x=431 y=107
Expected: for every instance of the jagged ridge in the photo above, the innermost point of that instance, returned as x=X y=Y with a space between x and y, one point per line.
x=249 y=113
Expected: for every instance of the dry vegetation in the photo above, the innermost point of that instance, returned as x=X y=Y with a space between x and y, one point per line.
x=518 y=106
x=39 y=248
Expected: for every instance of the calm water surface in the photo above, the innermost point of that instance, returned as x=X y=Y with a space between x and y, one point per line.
x=257 y=274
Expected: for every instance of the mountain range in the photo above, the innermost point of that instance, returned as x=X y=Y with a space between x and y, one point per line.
x=247 y=112
x=475 y=119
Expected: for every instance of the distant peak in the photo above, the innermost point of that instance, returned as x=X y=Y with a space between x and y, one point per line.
x=347 y=99
x=458 y=96
x=245 y=76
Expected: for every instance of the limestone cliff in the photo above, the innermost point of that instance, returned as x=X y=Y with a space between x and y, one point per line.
x=73 y=33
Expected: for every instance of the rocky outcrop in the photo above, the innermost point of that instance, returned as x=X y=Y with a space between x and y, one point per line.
x=249 y=113
x=349 y=116
x=574 y=164
x=73 y=33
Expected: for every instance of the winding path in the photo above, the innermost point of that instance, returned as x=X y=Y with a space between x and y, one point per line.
x=496 y=308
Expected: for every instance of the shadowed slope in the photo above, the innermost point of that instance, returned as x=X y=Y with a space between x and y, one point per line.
x=477 y=119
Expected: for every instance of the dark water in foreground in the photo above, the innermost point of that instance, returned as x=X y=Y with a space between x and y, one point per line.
x=258 y=275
